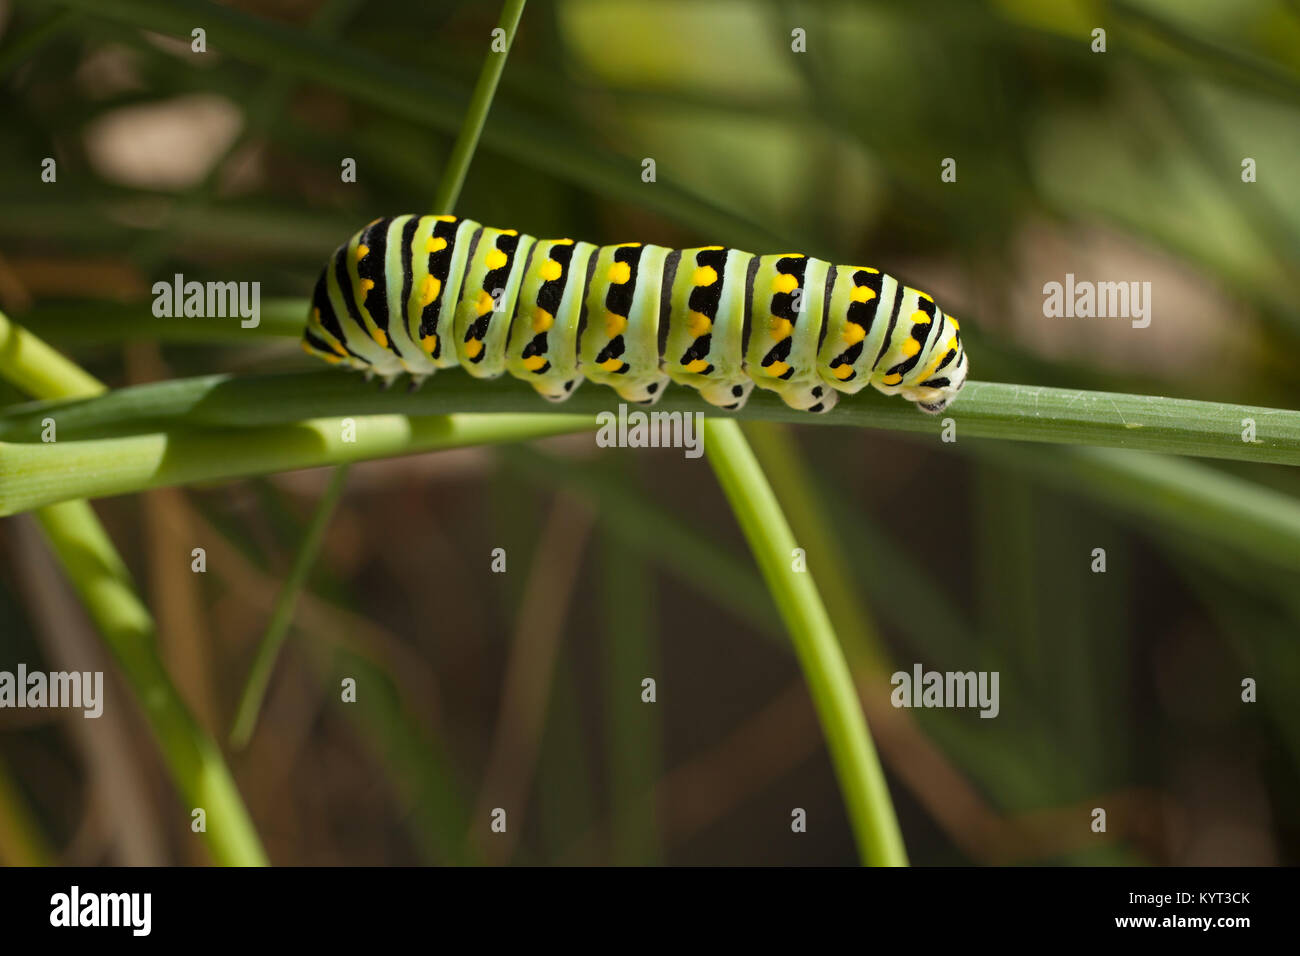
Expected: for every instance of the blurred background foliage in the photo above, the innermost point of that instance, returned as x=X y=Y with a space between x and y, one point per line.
x=1119 y=690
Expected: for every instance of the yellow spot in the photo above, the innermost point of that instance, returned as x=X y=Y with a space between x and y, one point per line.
x=892 y=379
x=430 y=289
x=784 y=283
x=777 y=369
x=954 y=322
x=697 y=366
x=435 y=244
x=366 y=286
x=332 y=359
x=429 y=343
x=495 y=259
x=542 y=320
x=472 y=348
x=780 y=328
x=612 y=365
x=705 y=275
x=306 y=347
x=379 y=336
x=564 y=242
x=627 y=245
x=614 y=324
x=911 y=347
x=440 y=218
x=620 y=272
x=923 y=295
x=485 y=302
x=509 y=232
x=550 y=270
x=340 y=349
x=363 y=250
x=712 y=248
x=697 y=323
x=862 y=294
x=843 y=371
x=853 y=333
x=920 y=318
x=534 y=362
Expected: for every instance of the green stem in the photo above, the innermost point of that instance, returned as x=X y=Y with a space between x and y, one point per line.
x=196 y=765
x=984 y=410
x=39 y=474
x=39 y=370
x=448 y=192
x=101 y=579
x=862 y=782
x=250 y=702
x=781 y=460
x=479 y=105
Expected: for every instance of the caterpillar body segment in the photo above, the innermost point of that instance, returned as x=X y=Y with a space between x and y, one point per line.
x=412 y=294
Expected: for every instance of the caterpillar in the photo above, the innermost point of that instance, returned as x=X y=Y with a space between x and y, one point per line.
x=412 y=294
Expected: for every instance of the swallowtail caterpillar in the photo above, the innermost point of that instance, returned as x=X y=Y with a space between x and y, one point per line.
x=412 y=294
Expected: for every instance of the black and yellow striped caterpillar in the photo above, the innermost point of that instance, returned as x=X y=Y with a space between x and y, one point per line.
x=417 y=293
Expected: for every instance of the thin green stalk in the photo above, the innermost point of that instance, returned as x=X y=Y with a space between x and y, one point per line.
x=250 y=702
x=101 y=579
x=196 y=764
x=39 y=370
x=862 y=782
x=448 y=192
x=479 y=105
x=984 y=410
x=32 y=475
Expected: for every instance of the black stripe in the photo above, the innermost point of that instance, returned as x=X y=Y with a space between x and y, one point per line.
x=831 y=276
x=374 y=268
x=893 y=321
x=320 y=301
x=317 y=343
x=666 y=297
x=408 y=270
x=512 y=314
x=439 y=267
x=347 y=291
x=469 y=261
x=586 y=288
x=750 y=275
